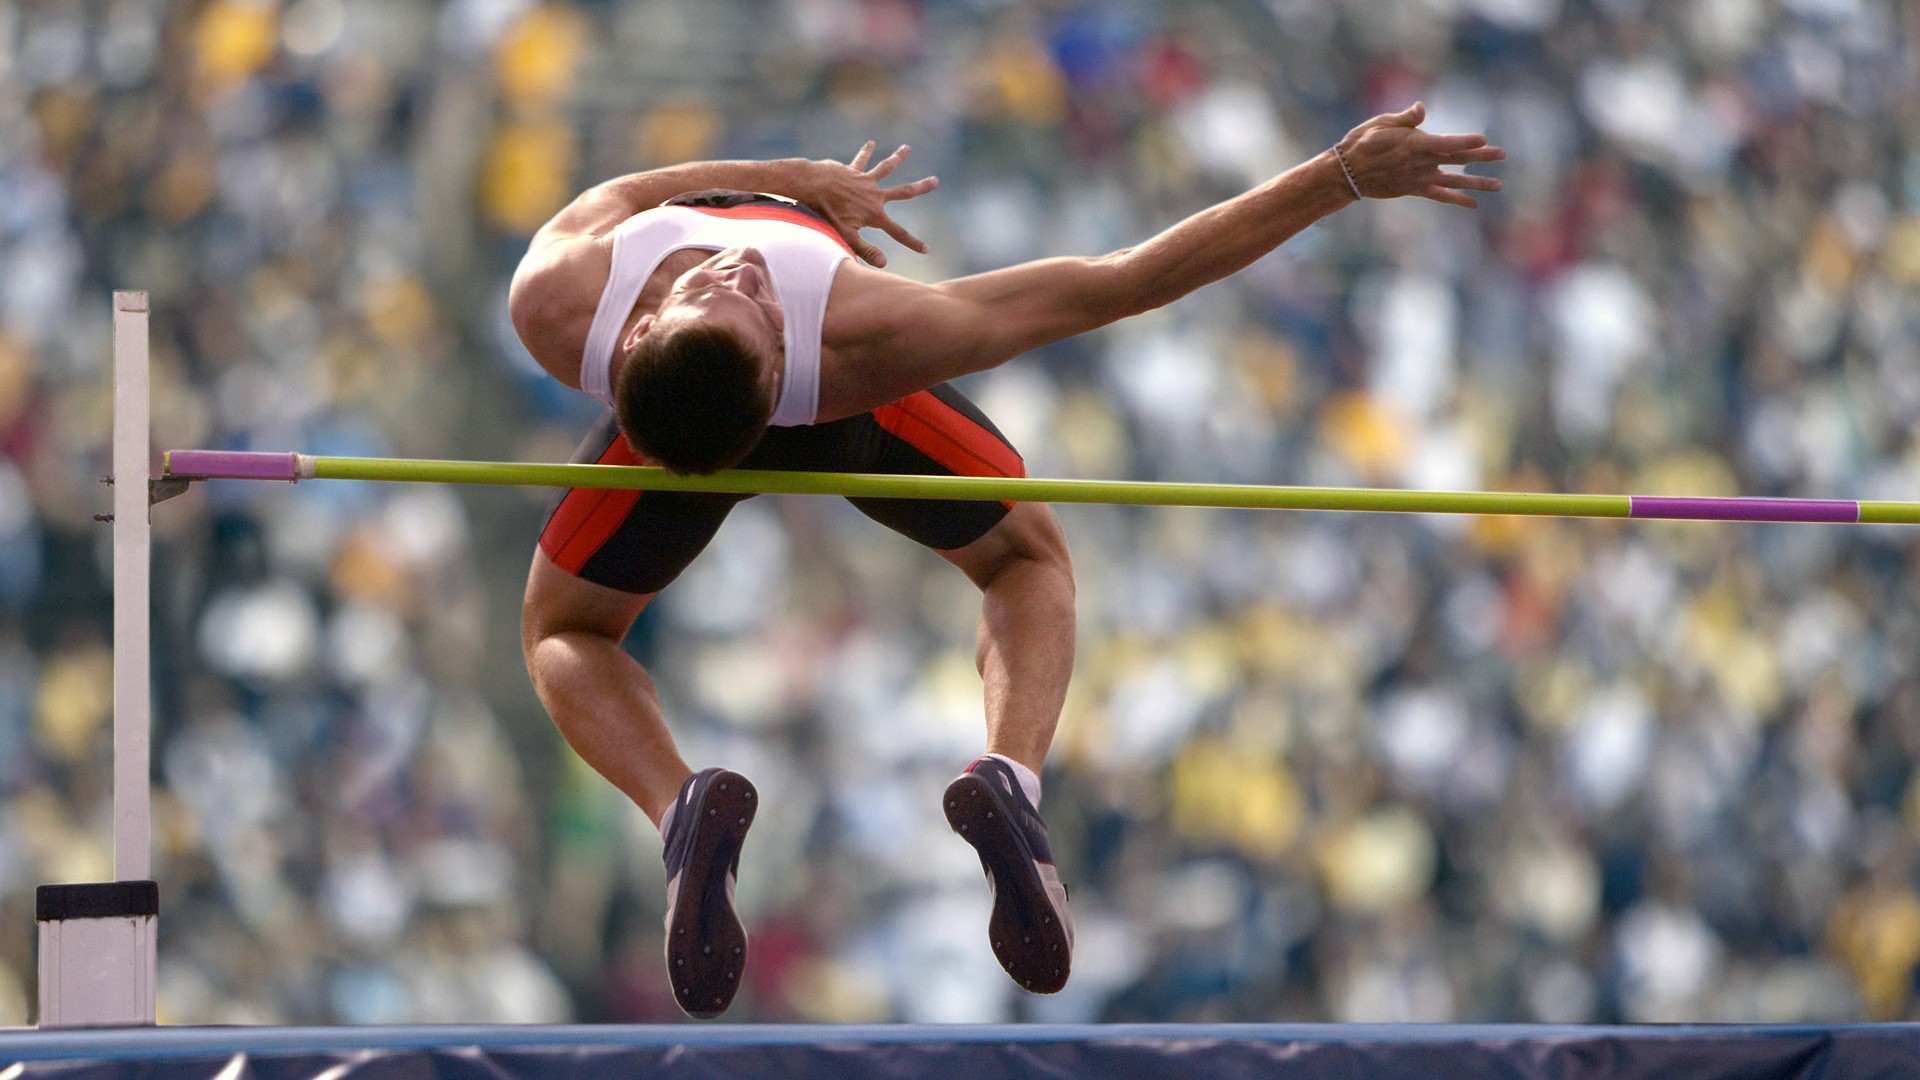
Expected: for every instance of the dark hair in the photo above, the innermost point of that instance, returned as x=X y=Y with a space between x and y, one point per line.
x=690 y=398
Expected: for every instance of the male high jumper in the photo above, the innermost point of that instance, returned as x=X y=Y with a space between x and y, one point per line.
x=720 y=312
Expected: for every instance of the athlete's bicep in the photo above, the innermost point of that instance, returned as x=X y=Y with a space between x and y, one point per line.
x=895 y=337
x=1033 y=304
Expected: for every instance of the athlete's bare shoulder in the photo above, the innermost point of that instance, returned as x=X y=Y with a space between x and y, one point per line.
x=553 y=296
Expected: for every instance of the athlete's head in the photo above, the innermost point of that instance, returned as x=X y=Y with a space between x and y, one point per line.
x=701 y=374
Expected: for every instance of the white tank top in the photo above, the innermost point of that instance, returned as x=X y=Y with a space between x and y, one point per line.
x=801 y=252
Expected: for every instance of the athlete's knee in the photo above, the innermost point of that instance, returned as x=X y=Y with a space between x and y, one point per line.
x=559 y=605
x=1028 y=538
x=557 y=647
x=540 y=632
x=535 y=629
x=1042 y=539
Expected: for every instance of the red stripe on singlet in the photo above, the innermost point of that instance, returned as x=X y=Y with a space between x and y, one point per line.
x=776 y=213
x=587 y=518
x=949 y=437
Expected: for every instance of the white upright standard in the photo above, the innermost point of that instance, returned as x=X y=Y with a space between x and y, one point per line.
x=97 y=947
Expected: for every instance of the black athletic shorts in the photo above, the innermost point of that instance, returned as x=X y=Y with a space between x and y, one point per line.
x=639 y=541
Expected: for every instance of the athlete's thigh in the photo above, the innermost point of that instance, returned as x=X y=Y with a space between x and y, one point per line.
x=631 y=541
x=936 y=432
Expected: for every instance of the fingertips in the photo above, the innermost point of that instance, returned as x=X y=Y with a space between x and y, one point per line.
x=911 y=190
x=906 y=239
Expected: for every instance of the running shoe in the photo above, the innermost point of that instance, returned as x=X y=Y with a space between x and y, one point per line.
x=706 y=945
x=1031 y=932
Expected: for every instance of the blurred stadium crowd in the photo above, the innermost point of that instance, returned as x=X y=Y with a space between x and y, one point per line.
x=1314 y=767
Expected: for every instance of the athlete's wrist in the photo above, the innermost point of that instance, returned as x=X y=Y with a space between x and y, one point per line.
x=1346 y=170
x=1336 y=173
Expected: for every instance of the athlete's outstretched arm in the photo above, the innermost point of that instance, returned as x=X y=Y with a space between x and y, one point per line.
x=922 y=335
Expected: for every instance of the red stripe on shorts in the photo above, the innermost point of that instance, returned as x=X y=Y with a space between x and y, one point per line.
x=949 y=437
x=776 y=213
x=587 y=517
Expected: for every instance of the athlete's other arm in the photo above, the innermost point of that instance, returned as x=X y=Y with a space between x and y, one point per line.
x=894 y=337
x=849 y=195
x=558 y=282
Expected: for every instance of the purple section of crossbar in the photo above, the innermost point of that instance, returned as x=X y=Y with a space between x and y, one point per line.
x=1824 y=510
x=232 y=464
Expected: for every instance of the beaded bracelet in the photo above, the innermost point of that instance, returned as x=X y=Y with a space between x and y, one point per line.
x=1351 y=182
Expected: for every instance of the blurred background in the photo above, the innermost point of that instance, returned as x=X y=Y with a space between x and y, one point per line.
x=1314 y=767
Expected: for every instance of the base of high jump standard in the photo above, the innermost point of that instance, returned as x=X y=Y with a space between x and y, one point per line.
x=97 y=939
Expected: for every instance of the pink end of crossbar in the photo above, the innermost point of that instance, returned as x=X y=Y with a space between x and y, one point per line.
x=233 y=465
x=1835 y=511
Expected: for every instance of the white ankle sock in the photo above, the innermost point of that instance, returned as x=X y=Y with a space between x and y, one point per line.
x=1029 y=783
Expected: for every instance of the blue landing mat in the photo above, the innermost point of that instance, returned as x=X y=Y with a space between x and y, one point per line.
x=1216 y=1052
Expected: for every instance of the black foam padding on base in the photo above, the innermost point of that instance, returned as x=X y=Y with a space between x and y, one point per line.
x=97 y=900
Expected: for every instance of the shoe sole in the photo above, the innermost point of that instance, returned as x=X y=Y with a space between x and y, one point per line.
x=1028 y=939
x=706 y=945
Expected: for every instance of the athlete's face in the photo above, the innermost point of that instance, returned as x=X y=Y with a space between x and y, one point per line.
x=734 y=290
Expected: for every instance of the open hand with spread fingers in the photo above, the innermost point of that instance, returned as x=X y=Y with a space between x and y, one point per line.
x=851 y=198
x=1389 y=156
